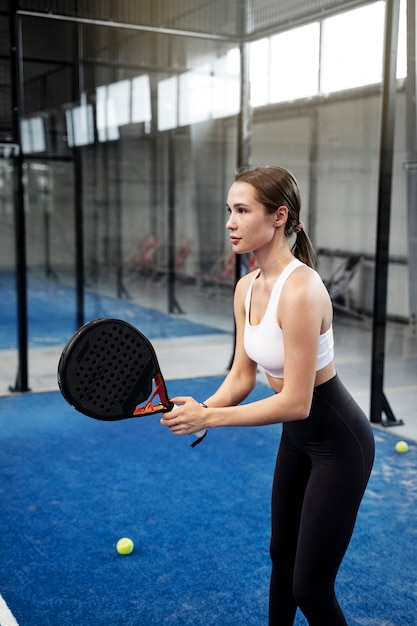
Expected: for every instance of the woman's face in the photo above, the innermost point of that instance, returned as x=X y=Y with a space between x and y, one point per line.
x=249 y=225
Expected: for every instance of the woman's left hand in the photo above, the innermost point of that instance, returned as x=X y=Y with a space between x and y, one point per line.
x=187 y=416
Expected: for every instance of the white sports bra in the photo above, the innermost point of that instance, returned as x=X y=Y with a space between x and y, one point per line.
x=264 y=343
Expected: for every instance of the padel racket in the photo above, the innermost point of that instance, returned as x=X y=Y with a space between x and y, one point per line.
x=109 y=371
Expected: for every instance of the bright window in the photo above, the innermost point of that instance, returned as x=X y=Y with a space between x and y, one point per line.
x=225 y=85
x=352 y=48
x=347 y=53
x=194 y=96
x=259 y=72
x=295 y=63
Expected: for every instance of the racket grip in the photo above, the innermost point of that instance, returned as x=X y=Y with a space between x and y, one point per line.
x=200 y=434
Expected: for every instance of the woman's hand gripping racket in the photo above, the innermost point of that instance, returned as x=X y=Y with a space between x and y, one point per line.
x=109 y=371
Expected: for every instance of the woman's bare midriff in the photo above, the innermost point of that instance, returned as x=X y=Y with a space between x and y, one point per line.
x=322 y=376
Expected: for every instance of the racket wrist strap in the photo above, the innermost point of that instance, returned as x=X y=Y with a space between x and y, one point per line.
x=200 y=439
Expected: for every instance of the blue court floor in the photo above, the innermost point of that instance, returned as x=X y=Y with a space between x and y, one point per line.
x=68 y=483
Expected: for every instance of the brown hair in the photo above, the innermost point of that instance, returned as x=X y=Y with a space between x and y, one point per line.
x=275 y=186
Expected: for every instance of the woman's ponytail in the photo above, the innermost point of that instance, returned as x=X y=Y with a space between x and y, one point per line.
x=303 y=249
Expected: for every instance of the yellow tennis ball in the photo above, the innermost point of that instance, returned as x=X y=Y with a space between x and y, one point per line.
x=125 y=546
x=401 y=447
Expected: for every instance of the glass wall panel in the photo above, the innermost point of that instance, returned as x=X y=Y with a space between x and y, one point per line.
x=8 y=327
x=130 y=136
x=129 y=144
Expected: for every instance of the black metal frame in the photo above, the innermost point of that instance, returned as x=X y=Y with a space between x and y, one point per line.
x=21 y=383
x=379 y=402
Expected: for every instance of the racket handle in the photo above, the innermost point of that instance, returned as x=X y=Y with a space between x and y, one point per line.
x=200 y=434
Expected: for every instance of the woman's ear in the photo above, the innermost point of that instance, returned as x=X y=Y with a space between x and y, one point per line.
x=281 y=215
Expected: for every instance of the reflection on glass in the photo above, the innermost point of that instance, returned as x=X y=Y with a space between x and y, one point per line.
x=33 y=135
x=167 y=103
x=210 y=91
x=80 y=125
x=141 y=100
x=225 y=85
x=106 y=130
x=194 y=96
x=118 y=103
x=113 y=103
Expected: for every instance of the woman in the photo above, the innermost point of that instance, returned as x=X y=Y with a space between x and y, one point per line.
x=283 y=319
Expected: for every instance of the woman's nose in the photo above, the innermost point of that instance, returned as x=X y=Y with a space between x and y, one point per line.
x=229 y=223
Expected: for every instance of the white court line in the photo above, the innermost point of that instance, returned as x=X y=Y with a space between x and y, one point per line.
x=6 y=616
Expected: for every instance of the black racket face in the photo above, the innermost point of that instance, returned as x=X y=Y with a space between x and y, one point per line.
x=107 y=368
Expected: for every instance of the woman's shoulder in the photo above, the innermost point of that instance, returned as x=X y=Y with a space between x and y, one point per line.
x=243 y=284
x=305 y=272
x=305 y=298
x=304 y=282
x=245 y=281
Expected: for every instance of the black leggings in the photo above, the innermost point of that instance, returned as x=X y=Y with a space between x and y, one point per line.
x=322 y=469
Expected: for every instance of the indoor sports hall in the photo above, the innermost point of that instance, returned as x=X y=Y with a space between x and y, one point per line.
x=121 y=126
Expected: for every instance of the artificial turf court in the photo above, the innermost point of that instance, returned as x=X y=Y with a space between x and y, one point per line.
x=72 y=486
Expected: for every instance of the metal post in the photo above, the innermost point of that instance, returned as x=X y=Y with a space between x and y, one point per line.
x=121 y=290
x=78 y=182
x=313 y=176
x=173 y=305
x=379 y=403
x=411 y=164
x=244 y=130
x=19 y=204
x=79 y=237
